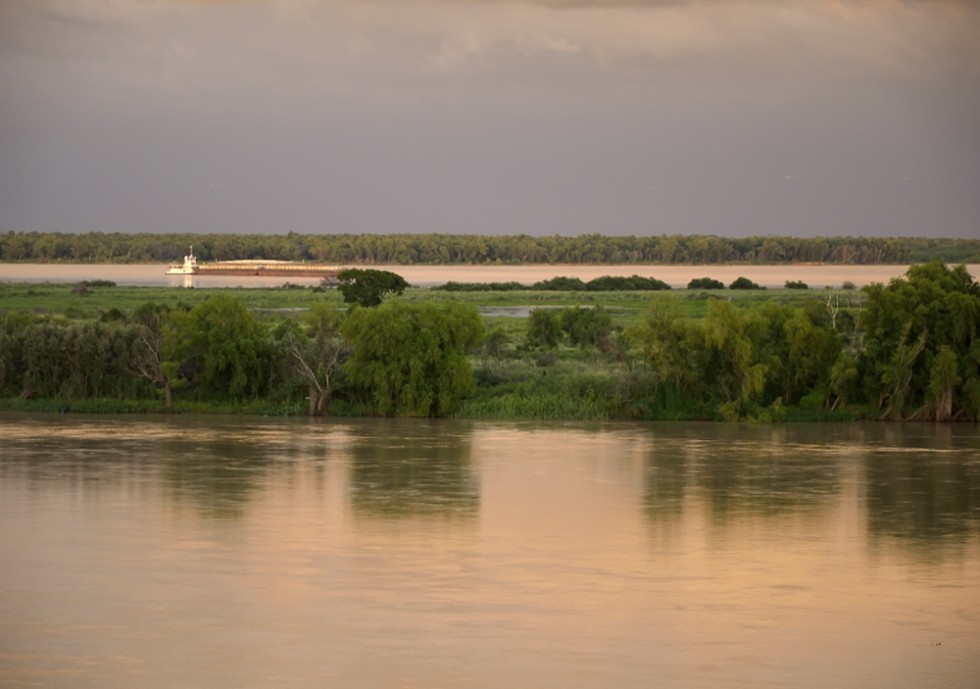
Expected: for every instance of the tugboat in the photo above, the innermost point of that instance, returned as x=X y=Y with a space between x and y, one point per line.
x=189 y=267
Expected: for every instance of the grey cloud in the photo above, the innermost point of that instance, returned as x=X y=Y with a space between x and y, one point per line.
x=413 y=115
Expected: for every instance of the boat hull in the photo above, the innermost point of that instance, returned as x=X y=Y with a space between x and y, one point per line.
x=268 y=271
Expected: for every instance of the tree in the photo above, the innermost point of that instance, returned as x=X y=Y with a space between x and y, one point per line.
x=217 y=347
x=942 y=381
x=586 y=327
x=543 y=328
x=897 y=375
x=842 y=376
x=802 y=352
x=743 y=283
x=493 y=344
x=315 y=353
x=560 y=284
x=366 y=287
x=147 y=359
x=411 y=359
x=733 y=336
x=705 y=283
x=906 y=325
x=675 y=353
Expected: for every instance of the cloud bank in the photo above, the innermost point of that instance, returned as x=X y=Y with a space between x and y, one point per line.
x=490 y=115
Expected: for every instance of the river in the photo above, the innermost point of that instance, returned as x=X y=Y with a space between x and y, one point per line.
x=218 y=552
x=818 y=276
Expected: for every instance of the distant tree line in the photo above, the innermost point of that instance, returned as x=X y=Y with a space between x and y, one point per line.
x=450 y=249
x=911 y=352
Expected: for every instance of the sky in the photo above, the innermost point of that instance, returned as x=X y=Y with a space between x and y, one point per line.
x=619 y=117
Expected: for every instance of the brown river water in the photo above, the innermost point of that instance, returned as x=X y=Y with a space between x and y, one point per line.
x=214 y=552
x=818 y=276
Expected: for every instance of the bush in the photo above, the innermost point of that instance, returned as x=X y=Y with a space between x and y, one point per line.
x=543 y=328
x=705 y=283
x=743 y=283
x=560 y=284
x=796 y=284
x=480 y=287
x=634 y=283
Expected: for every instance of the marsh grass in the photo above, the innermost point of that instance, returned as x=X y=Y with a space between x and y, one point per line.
x=516 y=382
x=270 y=302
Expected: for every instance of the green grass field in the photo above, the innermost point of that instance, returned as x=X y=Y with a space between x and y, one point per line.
x=498 y=307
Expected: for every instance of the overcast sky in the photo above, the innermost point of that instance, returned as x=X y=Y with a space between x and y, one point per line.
x=647 y=117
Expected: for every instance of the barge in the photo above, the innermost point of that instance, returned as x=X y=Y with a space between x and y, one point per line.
x=258 y=267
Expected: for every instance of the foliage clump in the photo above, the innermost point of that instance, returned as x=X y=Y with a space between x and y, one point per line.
x=366 y=287
x=705 y=283
x=744 y=283
x=907 y=350
x=921 y=355
x=411 y=360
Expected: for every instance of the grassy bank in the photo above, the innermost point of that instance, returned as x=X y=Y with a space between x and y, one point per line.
x=82 y=302
x=671 y=354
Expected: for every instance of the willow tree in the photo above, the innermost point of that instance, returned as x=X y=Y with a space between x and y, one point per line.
x=315 y=351
x=147 y=358
x=218 y=348
x=411 y=359
x=734 y=335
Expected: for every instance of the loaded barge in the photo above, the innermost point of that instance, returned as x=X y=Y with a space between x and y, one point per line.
x=259 y=267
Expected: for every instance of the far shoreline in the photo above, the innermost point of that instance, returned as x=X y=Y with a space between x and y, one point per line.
x=816 y=275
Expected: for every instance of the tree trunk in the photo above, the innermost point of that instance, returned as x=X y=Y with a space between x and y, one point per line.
x=318 y=398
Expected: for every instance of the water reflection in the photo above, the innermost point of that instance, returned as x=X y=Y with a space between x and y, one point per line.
x=926 y=500
x=376 y=553
x=417 y=467
x=740 y=469
x=218 y=477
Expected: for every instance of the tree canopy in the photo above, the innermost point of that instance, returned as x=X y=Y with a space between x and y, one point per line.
x=410 y=360
x=217 y=347
x=459 y=249
x=367 y=287
x=921 y=348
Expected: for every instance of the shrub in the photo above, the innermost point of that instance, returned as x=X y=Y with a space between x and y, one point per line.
x=705 y=283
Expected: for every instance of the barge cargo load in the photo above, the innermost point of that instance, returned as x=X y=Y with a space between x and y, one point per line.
x=258 y=267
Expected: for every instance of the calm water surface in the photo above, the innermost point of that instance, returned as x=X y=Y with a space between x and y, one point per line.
x=189 y=552
x=817 y=276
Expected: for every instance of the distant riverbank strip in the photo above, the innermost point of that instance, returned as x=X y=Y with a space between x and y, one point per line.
x=481 y=250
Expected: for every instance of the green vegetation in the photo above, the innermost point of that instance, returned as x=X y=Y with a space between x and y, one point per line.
x=406 y=249
x=705 y=283
x=906 y=350
x=606 y=283
x=921 y=344
x=368 y=287
x=744 y=283
x=411 y=359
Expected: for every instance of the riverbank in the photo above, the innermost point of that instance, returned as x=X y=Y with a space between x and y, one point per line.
x=901 y=351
